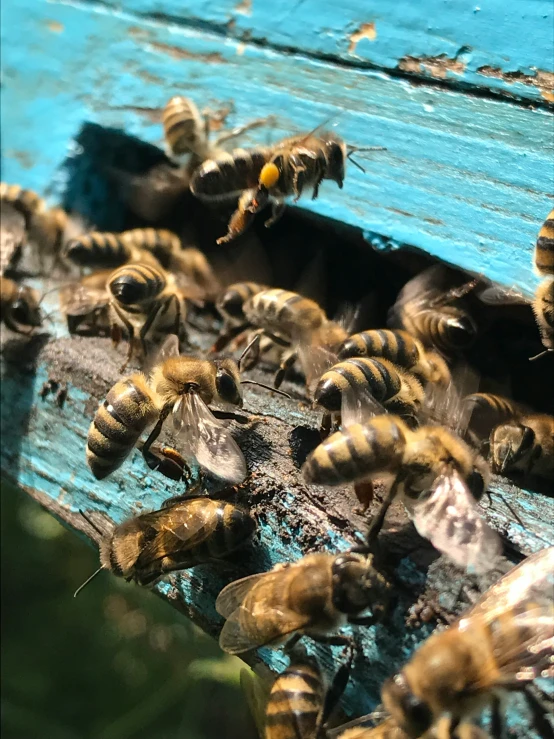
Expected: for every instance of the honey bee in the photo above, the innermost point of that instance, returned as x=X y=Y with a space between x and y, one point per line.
x=487 y=410
x=109 y=250
x=190 y=532
x=85 y=304
x=544 y=248
x=178 y=385
x=389 y=729
x=437 y=476
x=27 y=202
x=270 y=174
x=190 y=266
x=230 y=305
x=19 y=306
x=144 y=299
x=354 y=385
x=524 y=443
x=12 y=236
x=313 y=596
x=292 y=321
x=432 y=312
x=543 y=308
x=299 y=702
x=500 y=646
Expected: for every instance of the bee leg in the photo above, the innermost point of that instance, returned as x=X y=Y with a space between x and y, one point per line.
x=50 y=386
x=496 y=719
x=287 y=361
x=226 y=337
x=116 y=334
x=325 y=429
x=155 y=431
x=61 y=395
x=277 y=210
x=336 y=689
x=252 y=347
x=239 y=130
x=364 y=493
x=319 y=180
x=378 y=520
x=539 y=713
x=292 y=642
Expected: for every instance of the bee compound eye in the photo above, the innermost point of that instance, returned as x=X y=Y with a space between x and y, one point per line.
x=227 y=387
x=269 y=176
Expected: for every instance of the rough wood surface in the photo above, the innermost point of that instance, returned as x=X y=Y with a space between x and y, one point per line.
x=465 y=178
x=43 y=451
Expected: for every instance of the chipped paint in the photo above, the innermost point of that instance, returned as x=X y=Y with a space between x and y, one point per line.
x=241 y=48
x=55 y=27
x=367 y=31
x=244 y=7
x=177 y=52
x=540 y=78
x=437 y=67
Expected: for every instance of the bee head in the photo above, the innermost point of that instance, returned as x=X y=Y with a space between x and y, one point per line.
x=227 y=381
x=25 y=310
x=357 y=585
x=269 y=176
x=510 y=442
x=411 y=713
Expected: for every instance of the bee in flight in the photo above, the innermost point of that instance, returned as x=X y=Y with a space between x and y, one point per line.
x=19 y=306
x=501 y=645
x=271 y=174
x=180 y=386
x=183 y=534
x=313 y=596
x=299 y=702
x=430 y=309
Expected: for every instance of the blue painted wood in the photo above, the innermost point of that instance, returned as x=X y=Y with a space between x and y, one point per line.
x=486 y=45
x=468 y=180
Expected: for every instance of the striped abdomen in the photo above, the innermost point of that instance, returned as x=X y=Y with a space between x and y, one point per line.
x=128 y=409
x=102 y=250
x=227 y=528
x=294 y=704
x=490 y=405
x=229 y=174
x=543 y=308
x=357 y=452
x=158 y=241
x=377 y=376
x=449 y=329
x=135 y=284
x=27 y=202
x=396 y=346
x=285 y=313
x=544 y=249
x=231 y=302
x=183 y=126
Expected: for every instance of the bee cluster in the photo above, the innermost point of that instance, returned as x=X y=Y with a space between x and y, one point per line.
x=398 y=404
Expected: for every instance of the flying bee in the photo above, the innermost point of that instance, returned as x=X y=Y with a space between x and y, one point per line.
x=145 y=299
x=85 y=304
x=190 y=532
x=299 y=702
x=438 y=477
x=524 y=443
x=271 y=174
x=230 y=305
x=544 y=248
x=292 y=321
x=431 y=310
x=313 y=596
x=501 y=645
x=354 y=384
x=19 y=306
x=108 y=250
x=178 y=385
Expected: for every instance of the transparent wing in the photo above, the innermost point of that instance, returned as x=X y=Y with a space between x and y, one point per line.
x=256 y=692
x=365 y=727
x=315 y=360
x=444 y=404
x=169 y=348
x=78 y=300
x=357 y=406
x=450 y=518
x=282 y=622
x=530 y=581
x=233 y=594
x=499 y=295
x=206 y=439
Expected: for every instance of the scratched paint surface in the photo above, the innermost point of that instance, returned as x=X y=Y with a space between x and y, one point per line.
x=464 y=178
x=475 y=43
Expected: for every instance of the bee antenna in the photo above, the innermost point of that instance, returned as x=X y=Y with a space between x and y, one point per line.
x=350 y=150
x=267 y=387
x=91 y=523
x=98 y=571
x=538 y=356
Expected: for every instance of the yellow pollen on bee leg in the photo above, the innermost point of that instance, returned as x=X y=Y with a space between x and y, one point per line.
x=269 y=175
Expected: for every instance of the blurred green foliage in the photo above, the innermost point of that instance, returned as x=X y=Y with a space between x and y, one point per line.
x=115 y=663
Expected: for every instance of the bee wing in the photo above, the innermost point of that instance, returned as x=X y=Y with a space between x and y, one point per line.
x=532 y=580
x=445 y=404
x=78 y=300
x=365 y=727
x=451 y=520
x=208 y=440
x=233 y=640
x=315 y=360
x=169 y=348
x=499 y=295
x=256 y=692
x=358 y=406
x=233 y=594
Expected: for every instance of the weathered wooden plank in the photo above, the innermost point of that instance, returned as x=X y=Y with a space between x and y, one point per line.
x=478 y=45
x=43 y=451
x=465 y=179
